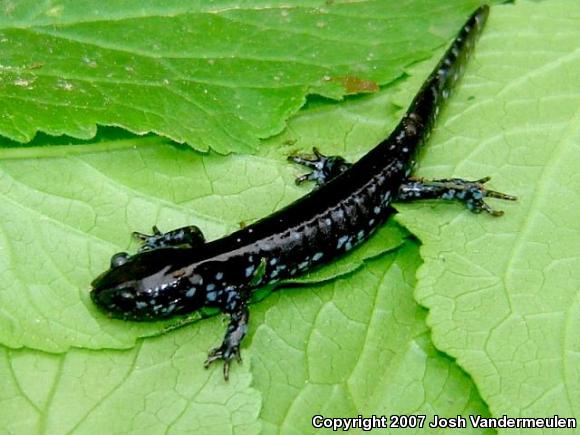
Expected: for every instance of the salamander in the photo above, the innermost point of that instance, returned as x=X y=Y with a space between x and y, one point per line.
x=179 y=272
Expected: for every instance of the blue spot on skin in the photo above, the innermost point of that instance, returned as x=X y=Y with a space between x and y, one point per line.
x=249 y=271
x=140 y=305
x=219 y=275
x=211 y=296
x=273 y=261
x=210 y=287
x=169 y=309
x=371 y=222
x=317 y=256
x=360 y=234
x=341 y=241
x=196 y=279
x=348 y=246
x=232 y=295
x=449 y=194
x=274 y=273
x=377 y=210
x=477 y=195
x=190 y=292
x=303 y=265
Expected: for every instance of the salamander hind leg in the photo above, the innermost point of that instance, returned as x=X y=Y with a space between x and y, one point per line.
x=235 y=332
x=471 y=193
x=190 y=236
x=324 y=168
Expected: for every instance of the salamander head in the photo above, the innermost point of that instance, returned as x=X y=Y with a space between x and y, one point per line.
x=121 y=301
x=147 y=286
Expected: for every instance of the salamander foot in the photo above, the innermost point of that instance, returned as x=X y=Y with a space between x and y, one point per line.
x=190 y=236
x=225 y=353
x=324 y=168
x=471 y=193
x=235 y=333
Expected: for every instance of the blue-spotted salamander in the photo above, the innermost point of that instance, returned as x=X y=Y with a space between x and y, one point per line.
x=179 y=272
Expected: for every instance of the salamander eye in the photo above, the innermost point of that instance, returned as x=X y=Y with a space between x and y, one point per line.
x=119 y=259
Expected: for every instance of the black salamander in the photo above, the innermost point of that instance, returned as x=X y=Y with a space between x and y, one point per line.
x=178 y=272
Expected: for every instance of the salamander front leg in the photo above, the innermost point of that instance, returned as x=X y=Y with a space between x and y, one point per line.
x=230 y=347
x=190 y=236
x=324 y=168
x=471 y=193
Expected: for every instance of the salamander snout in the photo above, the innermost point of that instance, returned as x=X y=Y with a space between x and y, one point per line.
x=122 y=302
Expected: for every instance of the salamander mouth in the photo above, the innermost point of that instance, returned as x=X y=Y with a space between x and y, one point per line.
x=95 y=282
x=126 y=304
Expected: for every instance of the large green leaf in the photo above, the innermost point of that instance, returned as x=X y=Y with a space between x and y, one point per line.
x=157 y=387
x=58 y=236
x=356 y=346
x=503 y=294
x=313 y=351
x=217 y=74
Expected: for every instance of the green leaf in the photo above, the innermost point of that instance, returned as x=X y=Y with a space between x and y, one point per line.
x=217 y=75
x=358 y=345
x=66 y=209
x=157 y=387
x=58 y=236
x=309 y=351
x=503 y=293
